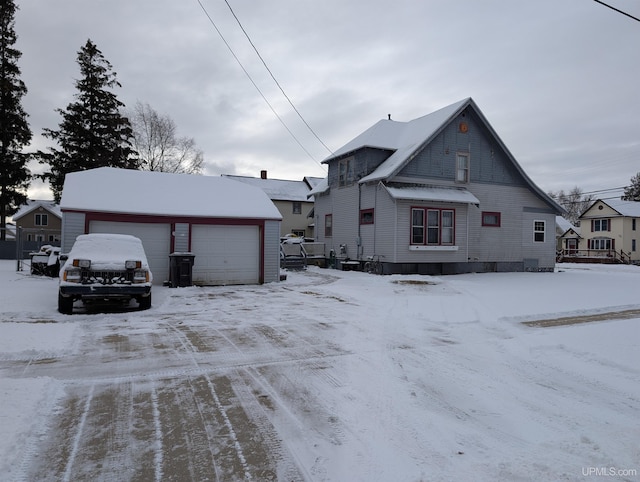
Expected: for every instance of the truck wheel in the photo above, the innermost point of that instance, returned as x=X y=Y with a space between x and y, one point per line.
x=65 y=304
x=145 y=303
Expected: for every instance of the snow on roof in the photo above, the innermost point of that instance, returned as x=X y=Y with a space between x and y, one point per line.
x=626 y=208
x=401 y=137
x=405 y=138
x=321 y=187
x=33 y=204
x=277 y=189
x=313 y=181
x=108 y=189
x=563 y=223
x=442 y=194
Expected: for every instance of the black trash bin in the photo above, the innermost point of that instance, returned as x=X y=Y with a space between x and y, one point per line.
x=181 y=269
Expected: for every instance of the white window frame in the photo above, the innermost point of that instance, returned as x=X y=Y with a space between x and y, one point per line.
x=462 y=171
x=537 y=230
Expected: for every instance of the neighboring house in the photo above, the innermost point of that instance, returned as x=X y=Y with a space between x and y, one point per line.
x=567 y=236
x=436 y=195
x=611 y=228
x=41 y=221
x=232 y=229
x=291 y=199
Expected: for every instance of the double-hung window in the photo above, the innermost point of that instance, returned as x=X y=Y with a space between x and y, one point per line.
x=538 y=231
x=432 y=226
x=42 y=220
x=462 y=167
x=328 y=225
x=345 y=172
x=600 y=225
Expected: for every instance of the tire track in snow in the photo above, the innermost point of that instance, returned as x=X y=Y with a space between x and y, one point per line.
x=188 y=346
x=157 y=458
x=76 y=441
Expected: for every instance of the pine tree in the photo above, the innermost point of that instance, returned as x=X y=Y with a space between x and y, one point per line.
x=632 y=191
x=15 y=133
x=93 y=133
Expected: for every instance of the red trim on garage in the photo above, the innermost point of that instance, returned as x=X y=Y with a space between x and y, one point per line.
x=172 y=220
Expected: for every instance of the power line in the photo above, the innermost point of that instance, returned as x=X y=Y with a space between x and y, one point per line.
x=618 y=10
x=254 y=84
x=275 y=80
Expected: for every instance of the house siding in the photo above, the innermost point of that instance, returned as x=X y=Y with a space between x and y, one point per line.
x=488 y=162
x=73 y=225
x=291 y=221
x=271 y=251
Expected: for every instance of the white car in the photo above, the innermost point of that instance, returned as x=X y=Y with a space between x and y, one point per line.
x=105 y=267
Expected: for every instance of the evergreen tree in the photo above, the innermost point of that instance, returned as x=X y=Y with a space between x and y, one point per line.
x=93 y=133
x=15 y=133
x=632 y=191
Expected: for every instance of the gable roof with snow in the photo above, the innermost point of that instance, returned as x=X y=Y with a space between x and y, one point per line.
x=108 y=189
x=625 y=208
x=405 y=139
x=33 y=204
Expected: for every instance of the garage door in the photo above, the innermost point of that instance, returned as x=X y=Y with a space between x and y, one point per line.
x=225 y=255
x=156 y=239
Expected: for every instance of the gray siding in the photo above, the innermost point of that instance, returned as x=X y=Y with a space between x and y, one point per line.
x=271 y=251
x=488 y=162
x=343 y=205
x=72 y=227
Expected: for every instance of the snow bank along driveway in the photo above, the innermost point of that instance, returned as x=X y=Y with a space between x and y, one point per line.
x=328 y=376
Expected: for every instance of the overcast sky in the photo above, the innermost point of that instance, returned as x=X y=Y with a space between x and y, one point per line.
x=558 y=81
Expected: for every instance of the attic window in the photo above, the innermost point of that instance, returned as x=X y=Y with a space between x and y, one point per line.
x=345 y=172
x=462 y=167
x=297 y=207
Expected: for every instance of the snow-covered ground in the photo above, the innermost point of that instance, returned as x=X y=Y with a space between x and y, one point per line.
x=327 y=376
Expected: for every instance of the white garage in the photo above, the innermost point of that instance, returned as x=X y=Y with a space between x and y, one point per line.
x=225 y=255
x=156 y=239
x=232 y=228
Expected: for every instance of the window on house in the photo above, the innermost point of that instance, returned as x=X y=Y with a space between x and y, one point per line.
x=633 y=245
x=600 y=225
x=538 y=231
x=345 y=172
x=432 y=226
x=42 y=220
x=52 y=238
x=601 y=243
x=298 y=232
x=366 y=216
x=462 y=167
x=297 y=207
x=633 y=224
x=328 y=225
x=417 y=226
x=491 y=219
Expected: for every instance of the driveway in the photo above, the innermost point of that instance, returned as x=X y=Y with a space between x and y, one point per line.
x=335 y=376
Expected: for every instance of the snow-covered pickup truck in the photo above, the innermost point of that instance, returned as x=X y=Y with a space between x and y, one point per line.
x=103 y=267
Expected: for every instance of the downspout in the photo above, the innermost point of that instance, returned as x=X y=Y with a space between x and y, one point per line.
x=359 y=238
x=468 y=209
